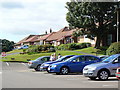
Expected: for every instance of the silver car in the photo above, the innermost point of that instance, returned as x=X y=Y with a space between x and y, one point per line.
x=103 y=70
x=35 y=64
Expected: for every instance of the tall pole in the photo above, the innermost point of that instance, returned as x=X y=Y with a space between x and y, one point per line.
x=118 y=24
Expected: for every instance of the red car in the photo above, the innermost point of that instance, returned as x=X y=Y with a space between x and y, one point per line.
x=118 y=73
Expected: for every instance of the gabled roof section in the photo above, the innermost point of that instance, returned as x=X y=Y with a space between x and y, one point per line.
x=23 y=40
x=46 y=36
x=33 y=38
x=61 y=34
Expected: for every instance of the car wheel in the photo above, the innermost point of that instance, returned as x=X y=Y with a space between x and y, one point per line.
x=48 y=71
x=103 y=75
x=64 y=70
x=92 y=78
x=37 y=68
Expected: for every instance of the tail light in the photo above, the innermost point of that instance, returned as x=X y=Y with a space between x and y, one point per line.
x=29 y=62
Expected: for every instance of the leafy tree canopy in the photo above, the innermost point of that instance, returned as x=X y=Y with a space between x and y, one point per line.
x=6 y=45
x=94 y=19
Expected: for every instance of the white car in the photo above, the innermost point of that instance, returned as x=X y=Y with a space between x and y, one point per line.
x=103 y=70
x=23 y=47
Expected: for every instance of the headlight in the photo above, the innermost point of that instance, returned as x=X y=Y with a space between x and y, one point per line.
x=90 y=69
x=54 y=65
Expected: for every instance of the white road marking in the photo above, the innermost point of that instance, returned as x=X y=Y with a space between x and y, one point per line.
x=7 y=64
x=100 y=81
x=107 y=85
x=0 y=72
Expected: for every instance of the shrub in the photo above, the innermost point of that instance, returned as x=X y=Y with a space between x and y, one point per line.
x=73 y=46
x=40 y=48
x=61 y=47
x=113 y=49
x=83 y=45
x=24 y=50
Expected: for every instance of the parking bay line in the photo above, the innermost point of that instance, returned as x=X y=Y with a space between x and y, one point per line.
x=100 y=81
x=7 y=64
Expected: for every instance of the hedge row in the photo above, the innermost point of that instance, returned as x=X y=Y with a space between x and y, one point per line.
x=113 y=49
x=40 y=48
x=73 y=46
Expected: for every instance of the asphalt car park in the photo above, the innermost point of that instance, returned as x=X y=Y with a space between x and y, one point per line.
x=18 y=75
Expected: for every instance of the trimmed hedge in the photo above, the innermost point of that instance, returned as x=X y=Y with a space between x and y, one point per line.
x=73 y=46
x=113 y=49
x=40 y=48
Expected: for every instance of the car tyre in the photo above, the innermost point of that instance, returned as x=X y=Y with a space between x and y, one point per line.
x=64 y=71
x=48 y=71
x=57 y=73
x=37 y=68
x=92 y=78
x=103 y=75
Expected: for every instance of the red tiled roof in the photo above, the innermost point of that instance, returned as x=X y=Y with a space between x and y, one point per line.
x=65 y=32
x=33 y=38
x=61 y=34
x=23 y=40
x=46 y=36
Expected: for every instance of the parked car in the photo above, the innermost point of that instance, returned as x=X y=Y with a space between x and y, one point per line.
x=45 y=65
x=73 y=64
x=118 y=73
x=23 y=47
x=35 y=64
x=103 y=70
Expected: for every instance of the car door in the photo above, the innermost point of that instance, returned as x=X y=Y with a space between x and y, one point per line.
x=114 y=65
x=77 y=64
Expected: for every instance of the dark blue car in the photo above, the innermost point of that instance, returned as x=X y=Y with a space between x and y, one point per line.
x=45 y=65
x=73 y=64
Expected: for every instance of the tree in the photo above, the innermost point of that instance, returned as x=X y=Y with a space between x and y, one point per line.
x=94 y=19
x=7 y=45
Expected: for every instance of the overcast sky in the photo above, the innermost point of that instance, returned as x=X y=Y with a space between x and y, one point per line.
x=20 y=18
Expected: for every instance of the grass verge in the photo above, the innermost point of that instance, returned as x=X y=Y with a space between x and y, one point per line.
x=14 y=51
x=91 y=50
x=26 y=57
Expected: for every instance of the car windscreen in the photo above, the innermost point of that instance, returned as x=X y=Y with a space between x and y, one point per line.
x=70 y=59
x=107 y=60
x=63 y=58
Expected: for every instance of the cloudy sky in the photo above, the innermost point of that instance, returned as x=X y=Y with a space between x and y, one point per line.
x=20 y=18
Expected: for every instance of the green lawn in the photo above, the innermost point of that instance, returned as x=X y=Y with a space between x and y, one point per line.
x=14 y=51
x=90 y=50
x=24 y=57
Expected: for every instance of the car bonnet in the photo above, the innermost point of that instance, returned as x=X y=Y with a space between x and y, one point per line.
x=99 y=64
